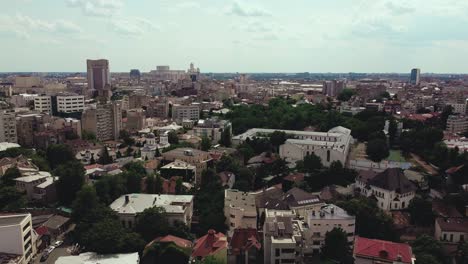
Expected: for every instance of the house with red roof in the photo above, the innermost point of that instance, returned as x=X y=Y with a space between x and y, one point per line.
x=380 y=251
x=244 y=246
x=212 y=244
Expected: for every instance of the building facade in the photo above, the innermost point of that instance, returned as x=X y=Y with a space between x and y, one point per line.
x=8 y=127
x=104 y=120
x=239 y=209
x=457 y=124
x=17 y=237
x=98 y=78
x=188 y=112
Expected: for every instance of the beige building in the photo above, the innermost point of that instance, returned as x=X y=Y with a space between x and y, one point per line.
x=135 y=120
x=282 y=238
x=457 y=124
x=104 y=120
x=239 y=209
x=185 y=112
x=70 y=103
x=17 y=238
x=99 y=80
x=192 y=156
x=178 y=207
x=212 y=129
x=325 y=220
x=29 y=181
x=451 y=230
x=8 y=127
x=28 y=81
x=43 y=104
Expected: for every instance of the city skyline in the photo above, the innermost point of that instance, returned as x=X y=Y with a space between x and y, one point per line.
x=235 y=36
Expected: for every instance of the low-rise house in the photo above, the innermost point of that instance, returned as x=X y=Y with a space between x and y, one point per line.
x=198 y=158
x=239 y=209
x=212 y=129
x=17 y=238
x=22 y=163
x=391 y=189
x=29 y=181
x=325 y=220
x=57 y=225
x=212 y=244
x=244 y=246
x=46 y=192
x=451 y=230
x=380 y=251
x=178 y=207
x=179 y=168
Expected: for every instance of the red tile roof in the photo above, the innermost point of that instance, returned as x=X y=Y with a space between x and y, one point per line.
x=42 y=230
x=209 y=244
x=243 y=239
x=381 y=249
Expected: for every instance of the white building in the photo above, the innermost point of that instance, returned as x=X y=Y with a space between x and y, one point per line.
x=239 y=209
x=391 y=189
x=330 y=146
x=325 y=220
x=282 y=238
x=31 y=180
x=17 y=237
x=8 y=127
x=178 y=207
x=451 y=230
x=457 y=124
x=212 y=129
x=458 y=108
x=70 y=103
x=181 y=112
x=43 y=104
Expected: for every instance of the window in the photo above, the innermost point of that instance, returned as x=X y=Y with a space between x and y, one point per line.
x=277 y=252
x=277 y=261
x=328 y=155
x=287 y=261
x=451 y=237
x=288 y=250
x=462 y=237
x=316 y=242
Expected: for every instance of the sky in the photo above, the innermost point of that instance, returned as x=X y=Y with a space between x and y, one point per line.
x=235 y=35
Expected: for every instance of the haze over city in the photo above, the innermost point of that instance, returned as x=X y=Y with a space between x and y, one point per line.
x=235 y=36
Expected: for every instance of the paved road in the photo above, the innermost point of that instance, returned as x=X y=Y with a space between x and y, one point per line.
x=58 y=252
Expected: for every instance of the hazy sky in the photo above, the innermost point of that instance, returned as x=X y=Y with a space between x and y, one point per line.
x=236 y=36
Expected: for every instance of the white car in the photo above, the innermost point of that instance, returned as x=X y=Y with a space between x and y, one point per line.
x=50 y=249
x=58 y=243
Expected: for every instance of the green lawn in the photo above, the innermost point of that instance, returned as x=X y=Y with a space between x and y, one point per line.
x=395 y=155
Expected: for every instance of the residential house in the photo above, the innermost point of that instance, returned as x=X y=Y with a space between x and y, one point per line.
x=451 y=230
x=212 y=244
x=200 y=159
x=244 y=246
x=380 y=251
x=391 y=188
x=178 y=207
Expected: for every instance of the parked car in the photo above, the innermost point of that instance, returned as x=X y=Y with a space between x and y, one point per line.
x=44 y=256
x=49 y=249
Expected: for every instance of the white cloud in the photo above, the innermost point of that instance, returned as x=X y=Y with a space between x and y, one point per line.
x=24 y=26
x=134 y=26
x=100 y=8
x=243 y=10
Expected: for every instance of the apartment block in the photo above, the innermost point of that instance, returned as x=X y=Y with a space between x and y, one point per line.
x=104 y=120
x=457 y=124
x=8 y=127
x=189 y=112
x=17 y=238
x=239 y=209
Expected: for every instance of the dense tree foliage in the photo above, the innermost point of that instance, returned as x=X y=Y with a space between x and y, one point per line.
x=10 y=175
x=71 y=179
x=152 y=222
x=421 y=212
x=336 y=246
x=173 y=138
x=371 y=221
x=226 y=138
x=346 y=94
x=11 y=199
x=104 y=157
x=377 y=149
x=58 y=155
x=428 y=250
x=205 y=143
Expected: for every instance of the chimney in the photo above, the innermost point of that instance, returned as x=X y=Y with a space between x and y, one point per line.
x=332 y=210
x=127 y=199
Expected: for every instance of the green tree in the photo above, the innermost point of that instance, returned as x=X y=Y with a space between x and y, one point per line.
x=71 y=179
x=205 y=143
x=226 y=138
x=105 y=158
x=277 y=138
x=377 y=150
x=85 y=202
x=336 y=246
x=172 y=137
x=158 y=184
x=345 y=95
x=179 y=188
x=152 y=222
x=11 y=199
x=41 y=162
x=10 y=175
x=421 y=212
x=87 y=135
x=59 y=154
x=426 y=245
x=127 y=139
x=311 y=164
